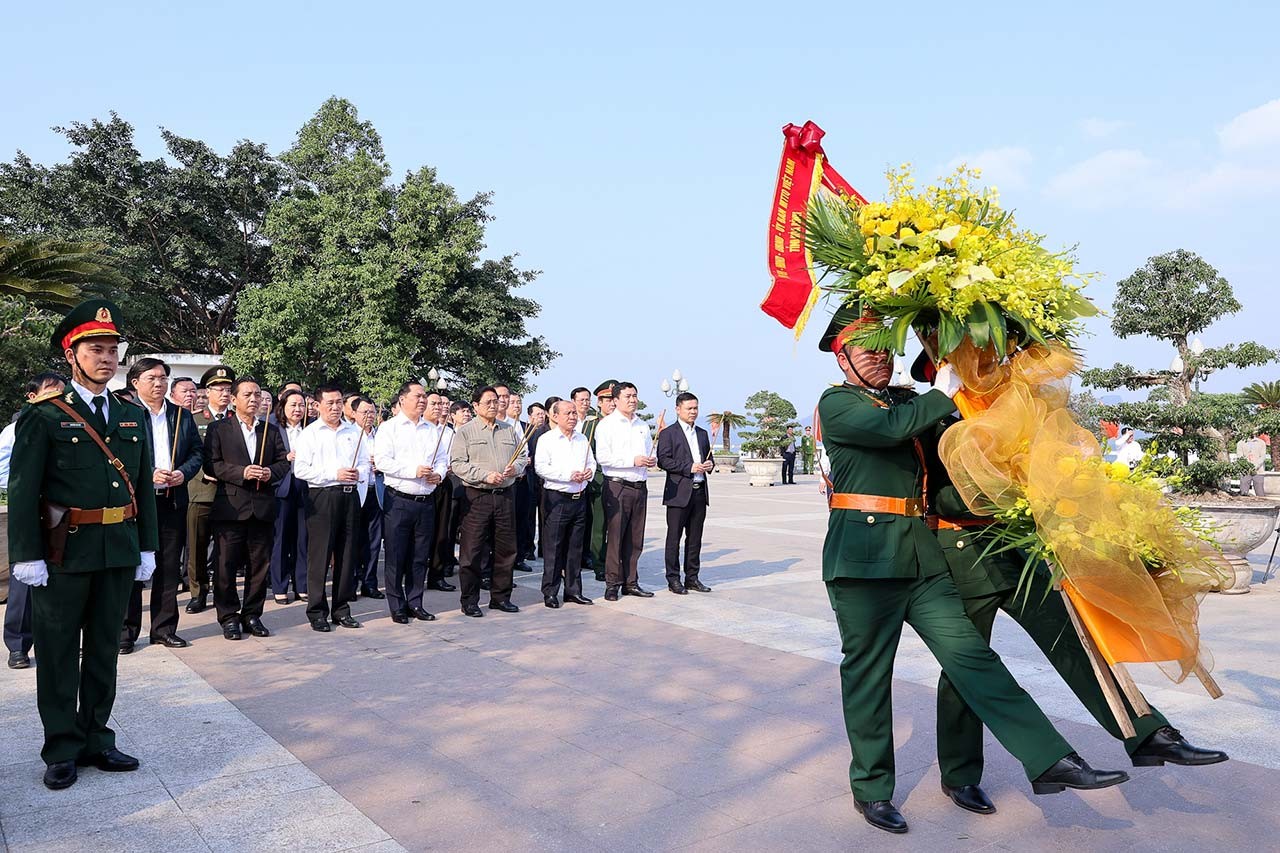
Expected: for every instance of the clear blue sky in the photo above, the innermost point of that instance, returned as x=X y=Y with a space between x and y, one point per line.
x=632 y=150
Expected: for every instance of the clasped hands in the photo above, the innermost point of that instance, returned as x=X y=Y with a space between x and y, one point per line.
x=581 y=476
x=426 y=472
x=495 y=478
x=257 y=472
x=702 y=467
x=645 y=461
x=168 y=479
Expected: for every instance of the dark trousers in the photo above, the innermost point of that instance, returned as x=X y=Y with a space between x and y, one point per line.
x=488 y=522
x=333 y=532
x=541 y=511
x=625 y=508
x=78 y=611
x=687 y=521
x=199 y=540
x=371 y=542
x=525 y=518
x=289 y=553
x=241 y=545
x=1040 y=612
x=443 y=535
x=408 y=530
x=563 y=537
x=788 y=468
x=172 y=528
x=597 y=542
x=17 y=617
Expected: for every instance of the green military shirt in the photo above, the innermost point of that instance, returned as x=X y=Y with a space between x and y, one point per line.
x=53 y=458
x=201 y=488
x=872 y=452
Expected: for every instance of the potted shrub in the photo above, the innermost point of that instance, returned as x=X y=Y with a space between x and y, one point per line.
x=770 y=417
x=722 y=422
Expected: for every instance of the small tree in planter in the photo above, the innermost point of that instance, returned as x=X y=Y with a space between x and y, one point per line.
x=725 y=421
x=770 y=417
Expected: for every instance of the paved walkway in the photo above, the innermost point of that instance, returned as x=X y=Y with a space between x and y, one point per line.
x=698 y=722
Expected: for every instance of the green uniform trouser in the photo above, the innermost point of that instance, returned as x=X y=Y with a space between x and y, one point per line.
x=596 y=544
x=76 y=603
x=808 y=463
x=870 y=614
x=1046 y=621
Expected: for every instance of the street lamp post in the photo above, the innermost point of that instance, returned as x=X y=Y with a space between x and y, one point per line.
x=676 y=385
x=435 y=379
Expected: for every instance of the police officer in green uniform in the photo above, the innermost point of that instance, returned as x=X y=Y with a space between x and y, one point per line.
x=82 y=528
x=807 y=450
x=883 y=568
x=988 y=583
x=595 y=550
x=201 y=490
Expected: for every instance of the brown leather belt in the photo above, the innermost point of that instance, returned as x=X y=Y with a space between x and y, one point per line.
x=106 y=515
x=937 y=523
x=877 y=503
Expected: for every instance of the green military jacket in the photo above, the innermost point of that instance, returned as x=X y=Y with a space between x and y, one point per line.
x=589 y=430
x=201 y=488
x=54 y=459
x=806 y=446
x=872 y=452
x=976 y=575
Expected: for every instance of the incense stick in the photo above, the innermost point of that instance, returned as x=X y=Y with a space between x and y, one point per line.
x=523 y=441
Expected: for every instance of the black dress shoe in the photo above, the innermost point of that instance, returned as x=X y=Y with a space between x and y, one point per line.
x=1166 y=744
x=552 y=602
x=347 y=622
x=882 y=814
x=522 y=566
x=400 y=617
x=321 y=625
x=611 y=593
x=697 y=586
x=472 y=610
x=577 y=599
x=19 y=660
x=254 y=626
x=111 y=760
x=370 y=592
x=678 y=589
x=485 y=583
x=59 y=775
x=127 y=647
x=197 y=605
x=171 y=641
x=504 y=606
x=971 y=798
x=600 y=576
x=636 y=590
x=422 y=615
x=1074 y=772
x=231 y=631
x=442 y=586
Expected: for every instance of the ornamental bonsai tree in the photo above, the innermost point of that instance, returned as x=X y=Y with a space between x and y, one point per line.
x=724 y=421
x=770 y=417
x=1173 y=297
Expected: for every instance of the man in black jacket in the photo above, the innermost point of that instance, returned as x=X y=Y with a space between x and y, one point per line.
x=684 y=452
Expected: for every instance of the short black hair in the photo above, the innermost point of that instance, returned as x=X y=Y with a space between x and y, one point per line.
x=480 y=392
x=535 y=405
x=619 y=387
x=576 y=391
x=141 y=366
x=35 y=383
x=458 y=407
x=243 y=380
x=360 y=400
x=495 y=386
x=552 y=400
x=173 y=383
x=684 y=397
x=329 y=388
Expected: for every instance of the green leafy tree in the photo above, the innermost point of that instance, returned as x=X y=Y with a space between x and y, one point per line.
x=770 y=414
x=53 y=273
x=373 y=282
x=185 y=231
x=725 y=421
x=1264 y=397
x=25 y=330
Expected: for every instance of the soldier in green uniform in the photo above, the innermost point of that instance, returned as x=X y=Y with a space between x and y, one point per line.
x=988 y=583
x=201 y=489
x=605 y=405
x=82 y=528
x=884 y=568
x=806 y=450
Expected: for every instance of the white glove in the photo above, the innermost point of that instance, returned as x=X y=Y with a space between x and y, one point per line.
x=32 y=573
x=147 y=568
x=947 y=382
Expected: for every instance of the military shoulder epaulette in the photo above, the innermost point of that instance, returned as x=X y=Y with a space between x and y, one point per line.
x=47 y=395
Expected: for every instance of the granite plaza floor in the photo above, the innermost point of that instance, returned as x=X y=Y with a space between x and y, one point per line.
x=702 y=722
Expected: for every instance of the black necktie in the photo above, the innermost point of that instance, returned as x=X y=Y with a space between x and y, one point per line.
x=100 y=409
x=218 y=416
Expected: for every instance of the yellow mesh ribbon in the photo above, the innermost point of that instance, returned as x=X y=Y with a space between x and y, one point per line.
x=1020 y=441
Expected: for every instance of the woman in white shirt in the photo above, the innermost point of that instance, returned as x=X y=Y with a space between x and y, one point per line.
x=289 y=554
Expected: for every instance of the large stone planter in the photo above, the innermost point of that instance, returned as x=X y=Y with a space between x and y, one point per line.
x=726 y=463
x=1241 y=528
x=1271 y=482
x=764 y=472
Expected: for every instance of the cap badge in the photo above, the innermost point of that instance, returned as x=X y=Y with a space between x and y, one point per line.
x=104 y=316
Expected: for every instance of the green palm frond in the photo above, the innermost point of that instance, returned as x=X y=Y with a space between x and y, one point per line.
x=53 y=272
x=1263 y=394
x=831 y=233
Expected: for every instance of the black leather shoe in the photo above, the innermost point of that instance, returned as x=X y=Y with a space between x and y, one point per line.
x=1074 y=772
x=442 y=586
x=637 y=591
x=59 y=775
x=370 y=592
x=422 y=615
x=127 y=647
x=504 y=606
x=697 y=586
x=171 y=641
x=485 y=583
x=231 y=631
x=971 y=798
x=321 y=625
x=111 y=760
x=600 y=576
x=347 y=622
x=473 y=610
x=552 y=602
x=254 y=626
x=611 y=593
x=882 y=814
x=400 y=617
x=19 y=660
x=577 y=599
x=197 y=605
x=1166 y=744
x=522 y=566
x=678 y=589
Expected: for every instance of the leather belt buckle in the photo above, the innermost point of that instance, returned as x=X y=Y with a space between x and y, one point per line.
x=113 y=514
x=576 y=496
x=346 y=490
x=697 y=485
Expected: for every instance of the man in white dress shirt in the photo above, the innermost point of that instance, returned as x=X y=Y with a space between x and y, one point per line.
x=624 y=450
x=408 y=453
x=333 y=458
x=565 y=464
x=442 y=558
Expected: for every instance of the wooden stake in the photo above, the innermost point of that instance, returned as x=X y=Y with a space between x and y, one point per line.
x=1210 y=686
x=1130 y=688
x=1100 y=669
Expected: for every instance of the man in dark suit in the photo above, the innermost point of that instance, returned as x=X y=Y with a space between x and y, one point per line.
x=246 y=456
x=178 y=454
x=201 y=550
x=684 y=452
